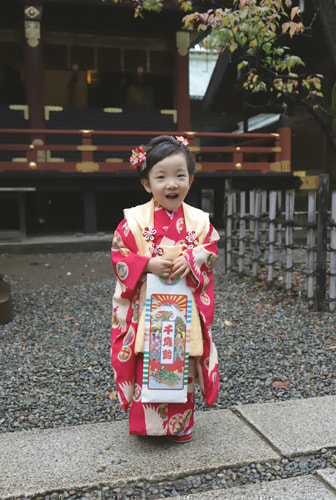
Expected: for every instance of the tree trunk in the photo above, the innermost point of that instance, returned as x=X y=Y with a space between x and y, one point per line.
x=326 y=10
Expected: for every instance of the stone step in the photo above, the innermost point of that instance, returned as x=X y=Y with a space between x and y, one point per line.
x=88 y=456
x=308 y=487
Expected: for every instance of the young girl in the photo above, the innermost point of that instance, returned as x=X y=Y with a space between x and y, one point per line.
x=165 y=237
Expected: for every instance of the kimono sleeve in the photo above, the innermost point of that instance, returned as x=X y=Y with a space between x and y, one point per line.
x=202 y=259
x=127 y=263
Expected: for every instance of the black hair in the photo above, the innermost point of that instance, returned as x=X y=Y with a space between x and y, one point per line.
x=162 y=146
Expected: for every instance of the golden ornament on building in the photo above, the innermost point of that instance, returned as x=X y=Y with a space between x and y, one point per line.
x=33 y=33
x=182 y=42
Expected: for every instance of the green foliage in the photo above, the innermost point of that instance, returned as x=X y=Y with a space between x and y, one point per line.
x=255 y=32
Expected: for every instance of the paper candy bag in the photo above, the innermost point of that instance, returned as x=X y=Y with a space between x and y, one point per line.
x=166 y=348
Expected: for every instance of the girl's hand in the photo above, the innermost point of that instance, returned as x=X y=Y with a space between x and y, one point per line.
x=180 y=266
x=159 y=266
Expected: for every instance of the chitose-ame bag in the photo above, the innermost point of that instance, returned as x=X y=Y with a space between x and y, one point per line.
x=166 y=347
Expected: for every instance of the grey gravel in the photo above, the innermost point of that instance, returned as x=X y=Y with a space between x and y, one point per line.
x=55 y=366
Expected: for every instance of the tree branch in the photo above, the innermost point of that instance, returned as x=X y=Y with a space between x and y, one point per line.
x=326 y=127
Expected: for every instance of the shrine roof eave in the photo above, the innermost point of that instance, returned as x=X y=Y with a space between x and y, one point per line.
x=216 y=80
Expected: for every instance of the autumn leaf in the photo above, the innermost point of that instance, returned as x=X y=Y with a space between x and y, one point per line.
x=279 y=384
x=285 y=27
x=294 y=12
x=111 y=394
x=228 y=323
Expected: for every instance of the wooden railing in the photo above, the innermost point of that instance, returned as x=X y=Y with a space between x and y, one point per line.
x=45 y=150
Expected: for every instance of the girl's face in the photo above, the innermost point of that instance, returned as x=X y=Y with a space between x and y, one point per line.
x=169 y=181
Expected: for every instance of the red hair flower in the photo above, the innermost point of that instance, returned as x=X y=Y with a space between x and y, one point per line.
x=138 y=158
x=182 y=140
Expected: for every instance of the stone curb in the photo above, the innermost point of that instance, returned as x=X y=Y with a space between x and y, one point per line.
x=39 y=462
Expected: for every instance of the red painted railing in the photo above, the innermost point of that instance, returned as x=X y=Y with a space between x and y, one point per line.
x=232 y=152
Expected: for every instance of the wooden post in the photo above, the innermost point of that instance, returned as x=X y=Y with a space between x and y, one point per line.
x=242 y=225
x=332 y=283
x=181 y=80
x=34 y=77
x=86 y=147
x=290 y=198
x=234 y=232
x=229 y=231
x=218 y=205
x=285 y=141
x=271 y=237
x=228 y=186
x=279 y=215
x=321 y=264
x=263 y=224
x=256 y=250
x=33 y=62
x=252 y=195
x=310 y=259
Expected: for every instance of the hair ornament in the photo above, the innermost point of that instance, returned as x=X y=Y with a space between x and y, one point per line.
x=182 y=140
x=138 y=158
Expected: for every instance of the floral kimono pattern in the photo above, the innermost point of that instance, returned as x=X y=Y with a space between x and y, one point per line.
x=146 y=231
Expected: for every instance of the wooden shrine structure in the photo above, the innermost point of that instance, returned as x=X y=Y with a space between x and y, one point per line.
x=82 y=83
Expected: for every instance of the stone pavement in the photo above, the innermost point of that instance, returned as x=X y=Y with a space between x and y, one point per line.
x=74 y=458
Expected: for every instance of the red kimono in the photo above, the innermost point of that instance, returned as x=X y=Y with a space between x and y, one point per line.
x=146 y=231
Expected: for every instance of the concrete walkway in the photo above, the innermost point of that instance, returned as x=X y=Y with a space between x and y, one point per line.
x=40 y=462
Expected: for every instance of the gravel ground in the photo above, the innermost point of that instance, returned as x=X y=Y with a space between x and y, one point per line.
x=55 y=367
